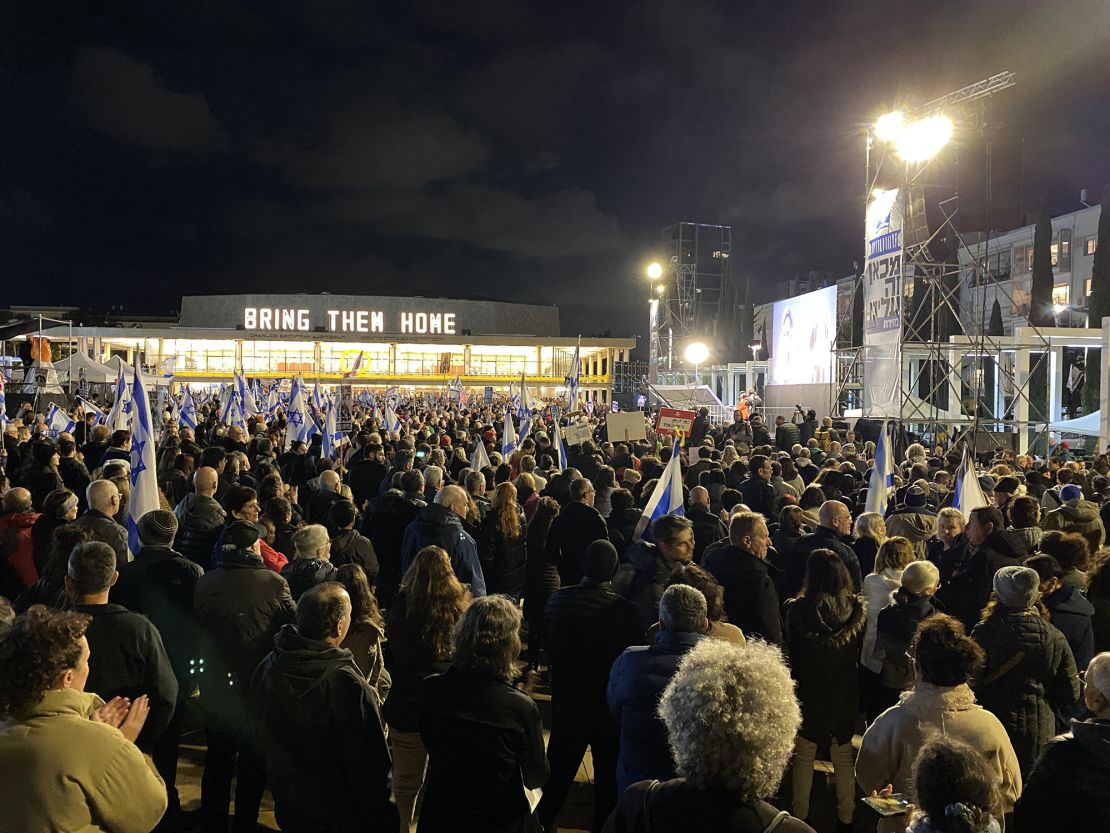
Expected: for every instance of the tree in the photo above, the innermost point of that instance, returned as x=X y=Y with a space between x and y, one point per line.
x=1040 y=314
x=1099 y=305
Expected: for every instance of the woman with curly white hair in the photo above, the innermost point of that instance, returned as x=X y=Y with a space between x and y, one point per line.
x=731 y=717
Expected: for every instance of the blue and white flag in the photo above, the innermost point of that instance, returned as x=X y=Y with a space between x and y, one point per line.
x=89 y=408
x=227 y=403
x=391 y=422
x=187 y=413
x=144 y=474
x=248 y=406
x=525 y=426
x=560 y=446
x=3 y=404
x=572 y=378
x=881 y=485
x=297 y=417
x=332 y=436
x=508 y=435
x=526 y=402
x=119 y=415
x=967 y=493
x=666 y=499
x=480 y=459
x=273 y=402
x=317 y=398
x=58 y=421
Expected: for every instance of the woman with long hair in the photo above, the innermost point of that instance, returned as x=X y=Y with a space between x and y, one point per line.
x=482 y=735
x=879 y=587
x=366 y=636
x=50 y=589
x=868 y=535
x=501 y=544
x=824 y=627
x=793 y=524
x=605 y=483
x=543 y=574
x=420 y=623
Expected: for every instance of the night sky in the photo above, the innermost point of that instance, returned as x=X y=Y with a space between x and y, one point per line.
x=510 y=149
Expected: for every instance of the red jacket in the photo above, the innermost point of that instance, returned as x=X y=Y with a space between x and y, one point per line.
x=15 y=544
x=271 y=557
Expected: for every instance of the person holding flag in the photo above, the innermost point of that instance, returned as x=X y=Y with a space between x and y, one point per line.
x=88 y=407
x=571 y=380
x=58 y=421
x=144 y=473
x=881 y=485
x=187 y=413
x=508 y=434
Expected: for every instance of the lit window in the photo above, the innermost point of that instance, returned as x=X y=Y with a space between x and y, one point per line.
x=1087 y=287
x=1089 y=245
x=1060 y=295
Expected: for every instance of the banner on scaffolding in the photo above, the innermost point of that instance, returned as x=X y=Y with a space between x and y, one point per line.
x=882 y=304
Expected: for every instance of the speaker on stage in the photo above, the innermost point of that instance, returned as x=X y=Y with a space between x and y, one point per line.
x=989 y=182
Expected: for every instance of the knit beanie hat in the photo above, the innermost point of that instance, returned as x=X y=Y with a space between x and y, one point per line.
x=1017 y=587
x=1070 y=492
x=157 y=527
x=915 y=498
x=600 y=561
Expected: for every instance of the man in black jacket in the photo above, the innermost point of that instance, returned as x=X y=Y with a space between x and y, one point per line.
x=319 y=723
x=758 y=493
x=741 y=568
x=349 y=546
x=708 y=526
x=366 y=473
x=969 y=587
x=239 y=606
x=576 y=527
x=385 y=522
x=832 y=534
x=127 y=658
x=159 y=584
x=200 y=518
x=586 y=627
x=99 y=522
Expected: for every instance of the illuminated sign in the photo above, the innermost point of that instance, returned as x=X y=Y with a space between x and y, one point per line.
x=281 y=319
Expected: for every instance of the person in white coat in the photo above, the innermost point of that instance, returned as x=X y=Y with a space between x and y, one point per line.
x=879 y=587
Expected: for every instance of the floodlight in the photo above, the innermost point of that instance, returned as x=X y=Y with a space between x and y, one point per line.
x=654 y=271
x=921 y=140
x=660 y=289
x=696 y=352
x=889 y=127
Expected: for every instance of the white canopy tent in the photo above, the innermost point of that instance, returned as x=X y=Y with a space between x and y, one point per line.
x=1087 y=425
x=691 y=398
x=71 y=367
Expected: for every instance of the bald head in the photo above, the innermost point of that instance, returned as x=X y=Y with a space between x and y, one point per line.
x=834 y=515
x=17 y=500
x=699 y=496
x=1097 y=693
x=103 y=496
x=205 y=481
x=330 y=480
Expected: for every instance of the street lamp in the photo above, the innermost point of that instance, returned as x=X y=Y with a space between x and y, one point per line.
x=654 y=271
x=915 y=141
x=696 y=353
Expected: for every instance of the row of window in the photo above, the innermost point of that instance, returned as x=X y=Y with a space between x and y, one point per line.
x=1018 y=260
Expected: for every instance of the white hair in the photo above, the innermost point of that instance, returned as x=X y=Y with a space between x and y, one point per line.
x=731 y=717
x=1098 y=674
x=433 y=475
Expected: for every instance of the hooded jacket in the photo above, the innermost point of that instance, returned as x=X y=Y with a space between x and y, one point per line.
x=352 y=547
x=1071 y=613
x=1025 y=541
x=200 y=521
x=823 y=639
x=1075 y=766
x=894 y=632
x=75 y=774
x=916 y=525
x=890 y=744
x=1079 y=516
x=440 y=526
x=319 y=723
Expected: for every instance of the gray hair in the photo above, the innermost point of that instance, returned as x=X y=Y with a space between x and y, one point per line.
x=487 y=637
x=91 y=567
x=433 y=475
x=309 y=540
x=731 y=717
x=1098 y=674
x=683 y=608
x=578 y=488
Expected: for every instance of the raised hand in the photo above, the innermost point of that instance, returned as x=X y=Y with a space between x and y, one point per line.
x=113 y=712
x=136 y=717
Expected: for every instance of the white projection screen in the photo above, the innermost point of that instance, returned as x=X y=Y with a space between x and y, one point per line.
x=803 y=330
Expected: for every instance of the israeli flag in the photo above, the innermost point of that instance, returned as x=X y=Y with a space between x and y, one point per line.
x=332 y=437
x=247 y=404
x=391 y=421
x=525 y=425
x=666 y=499
x=144 y=476
x=967 y=494
x=297 y=418
x=560 y=446
x=508 y=434
x=89 y=408
x=572 y=379
x=881 y=484
x=272 y=401
x=480 y=459
x=227 y=403
x=3 y=404
x=317 y=398
x=526 y=403
x=187 y=413
x=119 y=415
x=58 y=420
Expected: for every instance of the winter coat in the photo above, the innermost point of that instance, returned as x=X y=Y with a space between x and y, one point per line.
x=917 y=527
x=543 y=574
x=676 y=806
x=947 y=560
x=100 y=527
x=127 y=659
x=878 y=591
x=42 y=538
x=585 y=628
x=787 y=436
x=483 y=739
x=200 y=522
x=365 y=479
x=273 y=559
x=866 y=550
x=576 y=527
x=822 y=639
x=384 y=523
x=1079 y=516
x=636 y=681
x=239 y=606
x=890 y=744
x=41 y=481
x=1098 y=594
x=622 y=529
x=1024 y=542
x=76 y=478
x=1072 y=773
x=17 y=558
x=352 y=547
x=504 y=559
x=318 y=722
x=305 y=573
x=759 y=496
x=644 y=579
x=970 y=584
x=410 y=661
x=440 y=526
x=750 y=598
x=366 y=642
x=1071 y=613
x=160 y=584
x=1029 y=672
x=794 y=562
x=75 y=774
x=894 y=632
x=708 y=529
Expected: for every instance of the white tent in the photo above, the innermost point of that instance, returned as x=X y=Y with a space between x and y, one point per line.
x=116 y=364
x=71 y=367
x=691 y=398
x=1087 y=425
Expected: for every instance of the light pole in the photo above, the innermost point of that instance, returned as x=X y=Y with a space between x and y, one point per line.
x=696 y=353
x=654 y=272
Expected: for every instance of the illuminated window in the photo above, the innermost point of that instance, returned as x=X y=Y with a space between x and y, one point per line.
x=1087 y=287
x=1060 y=294
x=1089 y=245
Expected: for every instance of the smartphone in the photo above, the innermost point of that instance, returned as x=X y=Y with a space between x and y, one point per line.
x=894 y=804
x=420 y=455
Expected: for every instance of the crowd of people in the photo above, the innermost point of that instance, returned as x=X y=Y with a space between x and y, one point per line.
x=365 y=636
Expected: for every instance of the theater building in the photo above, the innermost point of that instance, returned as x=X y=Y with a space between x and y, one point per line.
x=418 y=343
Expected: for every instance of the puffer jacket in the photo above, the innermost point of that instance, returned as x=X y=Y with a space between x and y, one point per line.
x=1029 y=672
x=918 y=527
x=1025 y=541
x=504 y=559
x=894 y=633
x=351 y=547
x=823 y=639
x=1071 y=613
x=305 y=573
x=200 y=520
x=1079 y=516
x=1074 y=768
x=891 y=743
x=440 y=526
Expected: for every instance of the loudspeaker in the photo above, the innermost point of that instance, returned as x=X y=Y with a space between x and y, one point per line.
x=989 y=181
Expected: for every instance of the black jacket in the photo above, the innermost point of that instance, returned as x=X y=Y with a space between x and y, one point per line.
x=365 y=479
x=352 y=547
x=42 y=532
x=200 y=521
x=127 y=659
x=622 y=527
x=318 y=723
x=759 y=496
x=100 y=527
x=751 y=600
x=504 y=560
x=1067 y=788
x=1030 y=672
x=76 y=478
x=483 y=738
x=410 y=661
x=1072 y=614
x=794 y=562
x=577 y=526
x=708 y=529
x=644 y=579
x=896 y=626
x=787 y=436
x=305 y=573
x=384 y=523
x=823 y=641
x=586 y=627
x=971 y=581
x=41 y=481
x=160 y=584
